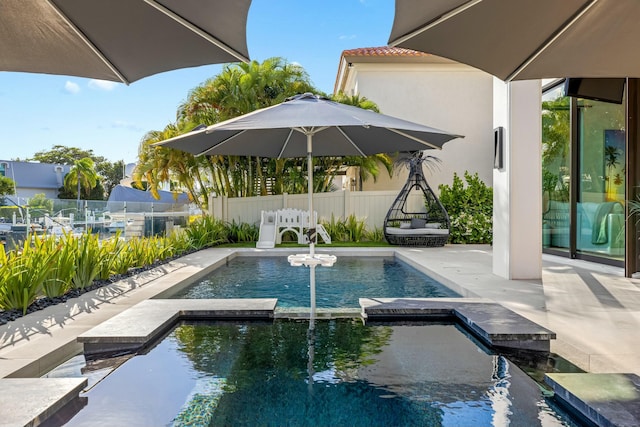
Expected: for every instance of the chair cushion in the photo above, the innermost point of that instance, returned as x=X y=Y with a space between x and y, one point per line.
x=418 y=222
x=417 y=232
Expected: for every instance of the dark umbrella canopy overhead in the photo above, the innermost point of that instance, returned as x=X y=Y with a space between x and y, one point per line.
x=282 y=131
x=526 y=39
x=120 y=40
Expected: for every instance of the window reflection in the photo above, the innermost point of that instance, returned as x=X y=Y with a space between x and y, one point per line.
x=599 y=174
x=601 y=147
x=556 y=172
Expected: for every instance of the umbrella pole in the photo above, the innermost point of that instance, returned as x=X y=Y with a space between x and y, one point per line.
x=312 y=229
x=312 y=221
x=312 y=286
x=311 y=260
x=311 y=341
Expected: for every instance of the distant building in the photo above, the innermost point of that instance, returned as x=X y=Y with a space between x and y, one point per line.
x=33 y=178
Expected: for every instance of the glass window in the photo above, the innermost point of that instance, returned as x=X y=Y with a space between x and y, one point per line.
x=601 y=189
x=598 y=177
x=555 y=168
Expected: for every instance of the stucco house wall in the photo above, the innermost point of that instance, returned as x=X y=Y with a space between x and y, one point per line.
x=433 y=91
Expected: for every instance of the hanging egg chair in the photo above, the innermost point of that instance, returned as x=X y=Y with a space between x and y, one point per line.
x=417 y=218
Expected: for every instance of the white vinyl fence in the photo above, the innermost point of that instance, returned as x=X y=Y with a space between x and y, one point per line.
x=371 y=206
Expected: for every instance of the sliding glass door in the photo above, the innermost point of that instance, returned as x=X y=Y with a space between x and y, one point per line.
x=600 y=217
x=556 y=169
x=583 y=171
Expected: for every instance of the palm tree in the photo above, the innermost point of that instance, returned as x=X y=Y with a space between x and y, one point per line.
x=237 y=90
x=611 y=155
x=356 y=101
x=82 y=175
x=242 y=88
x=157 y=165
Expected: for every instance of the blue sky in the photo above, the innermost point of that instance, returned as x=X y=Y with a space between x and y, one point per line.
x=38 y=111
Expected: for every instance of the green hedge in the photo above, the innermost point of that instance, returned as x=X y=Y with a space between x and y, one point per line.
x=470 y=209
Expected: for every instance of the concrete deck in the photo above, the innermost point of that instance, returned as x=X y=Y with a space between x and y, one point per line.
x=593 y=309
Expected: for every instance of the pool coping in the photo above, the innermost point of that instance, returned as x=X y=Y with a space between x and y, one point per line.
x=488 y=321
x=607 y=400
x=46 y=396
x=142 y=324
x=200 y=265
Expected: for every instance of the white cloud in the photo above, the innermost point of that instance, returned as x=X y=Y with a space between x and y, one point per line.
x=347 y=37
x=71 y=87
x=121 y=124
x=102 y=84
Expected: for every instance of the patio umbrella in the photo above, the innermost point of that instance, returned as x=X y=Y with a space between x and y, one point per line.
x=120 y=40
x=526 y=39
x=308 y=125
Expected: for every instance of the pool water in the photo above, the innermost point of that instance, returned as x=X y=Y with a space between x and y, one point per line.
x=350 y=278
x=343 y=374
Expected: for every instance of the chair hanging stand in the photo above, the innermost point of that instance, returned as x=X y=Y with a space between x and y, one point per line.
x=410 y=222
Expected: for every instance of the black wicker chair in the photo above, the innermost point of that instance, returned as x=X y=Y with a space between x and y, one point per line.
x=428 y=226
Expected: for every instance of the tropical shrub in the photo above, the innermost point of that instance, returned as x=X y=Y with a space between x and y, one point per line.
x=21 y=277
x=61 y=267
x=206 y=231
x=89 y=256
x=335 y=228
x=375 y=235
x=350 y=229
x=144 y=251
x=180 y=242
x=470 y=209
x=241 y=232
x=115 y=258
x=354 y=228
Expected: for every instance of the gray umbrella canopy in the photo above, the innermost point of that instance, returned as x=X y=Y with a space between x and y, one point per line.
x=283 y=131
x=526 y=39
x=308 y=125
x=120 y=40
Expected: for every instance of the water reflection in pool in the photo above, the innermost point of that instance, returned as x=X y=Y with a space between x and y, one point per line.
x=248 y=374
x=339 y=286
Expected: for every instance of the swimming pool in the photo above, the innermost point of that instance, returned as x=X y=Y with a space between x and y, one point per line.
x=344 y=374
x=339 y=286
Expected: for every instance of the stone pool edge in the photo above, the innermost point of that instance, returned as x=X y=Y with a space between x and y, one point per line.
x=202 y=267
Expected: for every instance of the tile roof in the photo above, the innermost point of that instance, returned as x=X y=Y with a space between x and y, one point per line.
x=381 y=54
x=384 y=51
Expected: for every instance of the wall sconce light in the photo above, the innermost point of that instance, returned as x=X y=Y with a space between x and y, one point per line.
x=498 y=148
